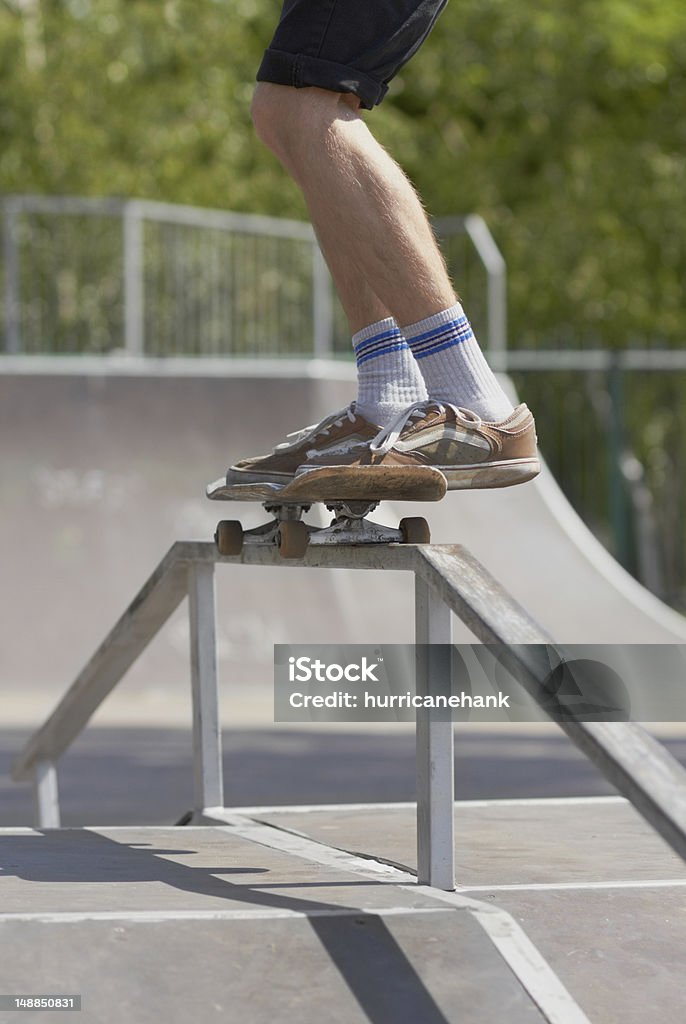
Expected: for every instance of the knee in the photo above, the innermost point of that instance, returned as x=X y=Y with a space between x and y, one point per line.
x=288 y=120
x=276 y=115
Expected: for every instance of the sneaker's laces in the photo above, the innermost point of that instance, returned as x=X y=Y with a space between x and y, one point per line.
x=387 y=437
x=320 y=429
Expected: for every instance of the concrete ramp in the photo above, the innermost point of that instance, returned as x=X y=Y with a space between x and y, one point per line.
x=104 y=467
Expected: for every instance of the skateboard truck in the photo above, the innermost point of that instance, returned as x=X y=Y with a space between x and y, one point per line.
x=292 y=536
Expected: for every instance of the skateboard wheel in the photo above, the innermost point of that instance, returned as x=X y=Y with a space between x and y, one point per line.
x=292 y=538
x=415 y=530
x=229 y=537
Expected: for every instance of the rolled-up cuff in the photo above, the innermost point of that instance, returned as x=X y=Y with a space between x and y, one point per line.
x=300 y=71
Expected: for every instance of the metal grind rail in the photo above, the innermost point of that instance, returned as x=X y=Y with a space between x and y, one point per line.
x=447 y=579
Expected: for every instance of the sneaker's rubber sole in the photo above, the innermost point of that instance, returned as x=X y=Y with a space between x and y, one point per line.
x=239 y=476
x=491 y=474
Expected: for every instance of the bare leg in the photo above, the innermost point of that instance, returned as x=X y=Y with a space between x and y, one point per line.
x=369 y=220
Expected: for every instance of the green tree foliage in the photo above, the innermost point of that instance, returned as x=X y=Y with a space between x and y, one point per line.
x=562 y=121
x=134 y=97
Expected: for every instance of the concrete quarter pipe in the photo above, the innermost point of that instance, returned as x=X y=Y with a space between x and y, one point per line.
x=104 y=466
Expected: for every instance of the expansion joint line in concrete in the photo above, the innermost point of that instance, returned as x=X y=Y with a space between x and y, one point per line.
x=515 y=947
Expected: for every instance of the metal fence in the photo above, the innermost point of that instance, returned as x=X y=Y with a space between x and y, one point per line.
x=100 y=275
x=614 y=437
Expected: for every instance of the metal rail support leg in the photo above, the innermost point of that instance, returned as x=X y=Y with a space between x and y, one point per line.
x=435 y=745
x=45 y=794
x=207 y=743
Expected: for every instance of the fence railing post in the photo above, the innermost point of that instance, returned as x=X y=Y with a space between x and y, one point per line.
x=322 y=305
x=207 y=742
x=496 y=299
x=435 y=744
x=134 y=318
x=13 y=343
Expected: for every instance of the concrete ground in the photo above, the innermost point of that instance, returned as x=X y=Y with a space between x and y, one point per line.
x=566 y=911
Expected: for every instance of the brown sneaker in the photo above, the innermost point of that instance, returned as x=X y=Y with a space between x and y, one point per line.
x=333 y=435
x=469 y=452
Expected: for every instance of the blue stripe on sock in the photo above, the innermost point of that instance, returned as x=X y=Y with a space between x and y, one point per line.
x=439 y=348
x=394 y=339
x=392 y=332
x=438 y=332
x=454 y=325
x=426 y=350
x=447 y=332
x=392 y=345
x=381 y=352
x=379 y=340
x=437 y=339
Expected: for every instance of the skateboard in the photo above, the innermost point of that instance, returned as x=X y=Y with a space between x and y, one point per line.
x=349 y=495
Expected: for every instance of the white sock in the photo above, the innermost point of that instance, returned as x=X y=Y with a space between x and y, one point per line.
x=388 y=378
x=453 y=365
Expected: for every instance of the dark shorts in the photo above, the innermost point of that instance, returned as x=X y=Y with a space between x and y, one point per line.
x=347 y=45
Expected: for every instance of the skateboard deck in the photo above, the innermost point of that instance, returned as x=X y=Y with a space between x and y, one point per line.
x=350 y=496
